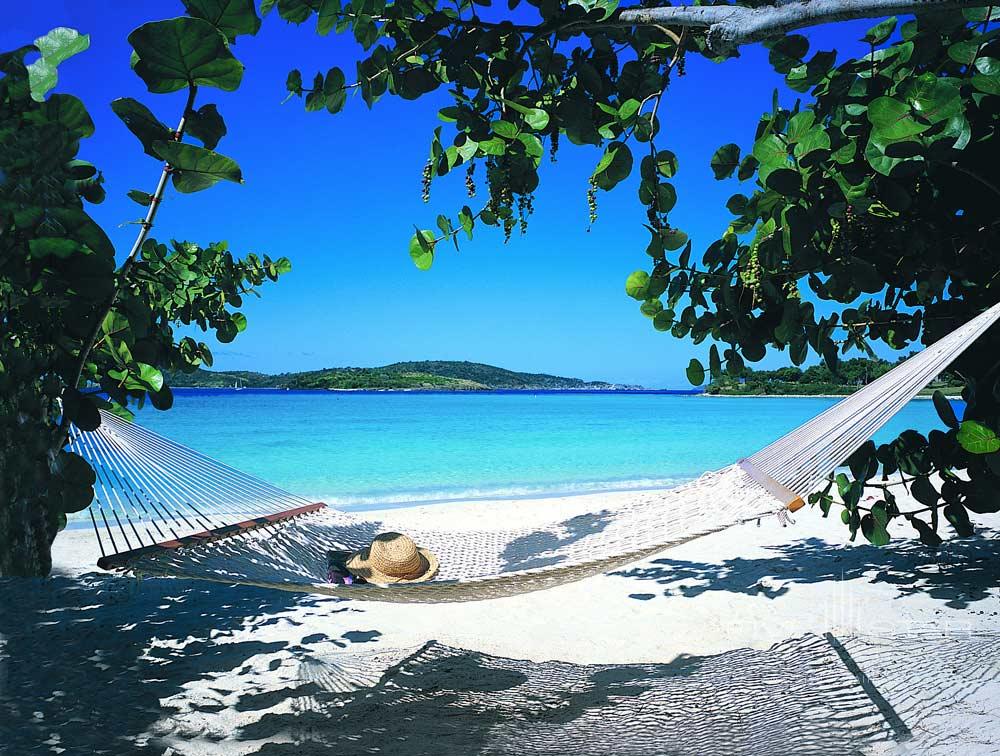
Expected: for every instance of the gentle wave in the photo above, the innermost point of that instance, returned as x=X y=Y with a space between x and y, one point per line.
x=395 y=499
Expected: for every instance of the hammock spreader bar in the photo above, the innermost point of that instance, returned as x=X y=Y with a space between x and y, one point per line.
x=123 y=560
x=789 y=498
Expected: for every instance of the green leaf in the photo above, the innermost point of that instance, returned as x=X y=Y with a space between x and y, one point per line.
x=725 y=160
x=814 y=139
x=182 y=52
x=934 y=98
x=504 y=129
x=637 y=285
x=987 y=78
x=231 y=17
x=80 y=410
x=466 y=220
x=55 y=47
x=327 y=17
x=422 y=249
x=673 y=239
x=784 y=181
x=149 y=377
x=76 y=478
x=737 y=204
x=695 y=373
x=536 y=118
x=747 y=168
x=143 y=198
x=873 y=526
x=788 y=52
x=141 y=122
x=666 y=163
x=770 y=152
x=965 y=52
x=663 y=320
x=945 y=411
x=881 y=31
x=614 y=167
x=799 y=125
x=206 y=125
x=197 y=167
x=893 y=119
x=976 y=438
x=162 y=399
x=54 y=246
x=334 y=90
x=958 y=517
x=714 y=362
x=651 y=307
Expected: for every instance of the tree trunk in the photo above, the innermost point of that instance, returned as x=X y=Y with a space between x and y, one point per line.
x=28 y=531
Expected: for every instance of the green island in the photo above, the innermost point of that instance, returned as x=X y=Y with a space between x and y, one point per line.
x=432 y=375
x=819 y=380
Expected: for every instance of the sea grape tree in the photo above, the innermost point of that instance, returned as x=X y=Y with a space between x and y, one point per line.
x=84 y=328
x=876 y=195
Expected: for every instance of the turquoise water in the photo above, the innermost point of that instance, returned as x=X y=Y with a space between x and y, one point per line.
x=362 y=450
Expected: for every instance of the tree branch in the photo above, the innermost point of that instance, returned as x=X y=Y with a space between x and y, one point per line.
x=144 y=228
x=730 y=26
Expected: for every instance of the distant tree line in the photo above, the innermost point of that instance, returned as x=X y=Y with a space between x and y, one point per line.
x=816 y=380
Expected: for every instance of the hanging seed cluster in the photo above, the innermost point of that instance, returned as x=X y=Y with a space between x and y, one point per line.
x=470 y=180
x=751 y=275
x=501 y=202
x=592 y=200
x=425 y=181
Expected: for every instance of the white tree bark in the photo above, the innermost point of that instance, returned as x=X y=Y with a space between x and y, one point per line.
x=730 y=26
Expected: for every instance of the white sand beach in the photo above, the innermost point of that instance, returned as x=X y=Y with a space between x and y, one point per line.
x=190 y=667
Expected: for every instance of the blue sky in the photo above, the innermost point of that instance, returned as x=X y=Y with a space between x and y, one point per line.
x=339 y=195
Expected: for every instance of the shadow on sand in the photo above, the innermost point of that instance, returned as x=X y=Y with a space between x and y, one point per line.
x=961 y=573
x=85 y=661
x=96 y=664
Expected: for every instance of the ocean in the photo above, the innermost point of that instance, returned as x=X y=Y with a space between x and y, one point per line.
x=364 y=450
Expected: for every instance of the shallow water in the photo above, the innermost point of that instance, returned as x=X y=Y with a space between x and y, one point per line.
x=363 y=449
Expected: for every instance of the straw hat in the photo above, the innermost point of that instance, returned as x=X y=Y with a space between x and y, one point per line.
x=393 y=558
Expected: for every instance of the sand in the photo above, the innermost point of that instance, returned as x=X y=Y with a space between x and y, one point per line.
x=166 y=664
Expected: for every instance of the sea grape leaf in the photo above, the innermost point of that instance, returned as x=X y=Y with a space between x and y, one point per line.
x=422 y=249
x=695 y=373
x=181 y=52
x=141 y=122
x=725 y=161
x=637 y=285
x=55 y=47
x=945 y=411
x=206 y=125
x=976 y=438
x=197 y=168
x=231 y=17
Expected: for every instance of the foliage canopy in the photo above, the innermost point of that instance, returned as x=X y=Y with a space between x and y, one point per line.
x=877 y=194
x=81 y=331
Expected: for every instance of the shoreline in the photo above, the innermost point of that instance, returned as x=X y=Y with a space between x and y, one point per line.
x=645 y=391
x=950 y=397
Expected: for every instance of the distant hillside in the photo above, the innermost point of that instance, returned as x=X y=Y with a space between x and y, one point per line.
x=430 y=375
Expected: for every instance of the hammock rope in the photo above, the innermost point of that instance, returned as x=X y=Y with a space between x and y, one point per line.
x=165 y=509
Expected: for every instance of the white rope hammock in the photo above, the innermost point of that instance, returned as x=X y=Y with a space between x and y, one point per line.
x=164 y=509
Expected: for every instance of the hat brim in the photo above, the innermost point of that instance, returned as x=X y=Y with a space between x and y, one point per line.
x=359 y=565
